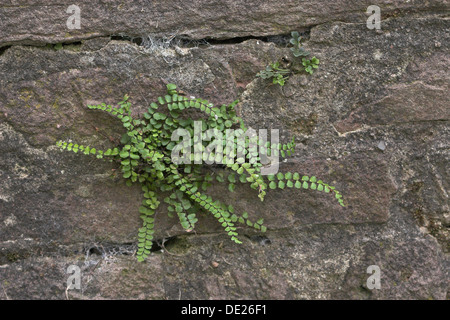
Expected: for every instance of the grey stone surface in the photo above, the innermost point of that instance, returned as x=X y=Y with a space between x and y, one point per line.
x=41 y=22
x=59 y=209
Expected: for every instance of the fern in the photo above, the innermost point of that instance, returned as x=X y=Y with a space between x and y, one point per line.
x=145 y=157
x=297 y=49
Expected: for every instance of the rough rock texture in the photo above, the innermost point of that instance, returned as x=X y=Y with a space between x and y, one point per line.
x=39 y=21
x=372 y=120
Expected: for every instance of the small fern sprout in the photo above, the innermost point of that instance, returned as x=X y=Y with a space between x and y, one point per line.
x=297 y=49
x=279 y=75
x=274 y=72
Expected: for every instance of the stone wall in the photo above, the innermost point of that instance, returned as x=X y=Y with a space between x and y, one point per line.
x=372 y=120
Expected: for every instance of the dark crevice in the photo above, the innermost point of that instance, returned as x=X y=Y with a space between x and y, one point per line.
x=281 y=40
x=75 y=43
x=260 y=239
x=278 y=39
x=58 y=45
x=127 y=249
x=91 y=250
x=54 y=46
x=108 y=249
x=161 y=244
x=3 y=49
x=136 y=40
x=12 y=256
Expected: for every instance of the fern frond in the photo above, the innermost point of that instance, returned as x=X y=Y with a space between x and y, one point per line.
x=87 y=150
x=145 y=234
x=120 y=112
x=290 y=180
x=145 y=156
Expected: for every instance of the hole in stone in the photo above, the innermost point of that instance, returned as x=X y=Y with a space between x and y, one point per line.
x=3 y=49
x=158 y=244
x=94 y=250
x=261 y=240
x=136 y=40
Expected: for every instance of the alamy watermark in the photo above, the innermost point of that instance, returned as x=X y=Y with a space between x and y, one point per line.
x=374 y=21
x=235 y=146
x=74 y=280
x=74 y=21
x=374 y=281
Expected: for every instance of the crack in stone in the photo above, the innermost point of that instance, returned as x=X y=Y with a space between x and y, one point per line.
x=280 y=40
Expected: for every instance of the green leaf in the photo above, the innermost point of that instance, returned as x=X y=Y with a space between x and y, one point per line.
x=185 y=225
x=127 y=174
x=143 y=210
x=171 y=86
x=186 y=204
x=124 y=154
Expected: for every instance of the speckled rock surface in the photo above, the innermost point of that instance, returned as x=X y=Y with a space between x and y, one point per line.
x=372 y=120
x=41 y=21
